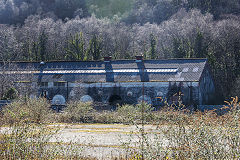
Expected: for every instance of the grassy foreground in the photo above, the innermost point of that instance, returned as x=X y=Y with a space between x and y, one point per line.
x=180 y=134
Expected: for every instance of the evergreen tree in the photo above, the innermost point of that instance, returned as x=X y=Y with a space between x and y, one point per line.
x=198 y=45
x=153 y=46
x=178 y=49
x=42 y=46
x=95 y=48
x=75 y=49
x=34 y=51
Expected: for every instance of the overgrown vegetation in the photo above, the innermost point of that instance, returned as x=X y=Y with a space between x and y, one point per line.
x=26 y=141
x=27 y=110
x=208 y=136
x=179 y=134
x=77 y=112
x=24 y=133
x=45 y=30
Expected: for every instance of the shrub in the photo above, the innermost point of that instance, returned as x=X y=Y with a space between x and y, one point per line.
x=127 y=113
x=107 y=117
x=26 y=141
x=144 y=112
x=10 y=94
x=29 y=110
x=78 y=112
x=133 y=113
x=28 y=138
x=204 y=136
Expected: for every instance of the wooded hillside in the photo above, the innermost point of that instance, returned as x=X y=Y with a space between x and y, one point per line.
x=44 y=30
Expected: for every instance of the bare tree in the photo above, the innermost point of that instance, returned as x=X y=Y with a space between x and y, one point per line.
x=13 y=78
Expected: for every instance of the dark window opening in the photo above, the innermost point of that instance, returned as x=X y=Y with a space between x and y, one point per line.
x=59 y=84
x=44 y=84
x=115 y=99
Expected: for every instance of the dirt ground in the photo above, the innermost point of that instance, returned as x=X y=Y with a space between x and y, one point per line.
x=102 y=141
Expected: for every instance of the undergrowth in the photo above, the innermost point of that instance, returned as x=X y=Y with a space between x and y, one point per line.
x=25 y=134
x=201 y=136
x=179 y=134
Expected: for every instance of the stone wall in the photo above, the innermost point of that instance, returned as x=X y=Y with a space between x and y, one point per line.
x=129 y=92
x=206 y=89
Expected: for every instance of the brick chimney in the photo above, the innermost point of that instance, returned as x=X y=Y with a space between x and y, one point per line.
x=107 y=59
x=139 y=58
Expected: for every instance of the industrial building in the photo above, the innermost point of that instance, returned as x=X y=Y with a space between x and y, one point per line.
x=119 y=81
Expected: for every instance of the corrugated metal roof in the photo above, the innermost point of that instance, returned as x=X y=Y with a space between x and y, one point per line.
x=117 y=71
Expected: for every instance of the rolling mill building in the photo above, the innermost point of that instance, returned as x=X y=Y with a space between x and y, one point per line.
x=118 y=81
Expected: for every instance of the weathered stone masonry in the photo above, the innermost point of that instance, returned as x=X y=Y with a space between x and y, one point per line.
x=125 y=81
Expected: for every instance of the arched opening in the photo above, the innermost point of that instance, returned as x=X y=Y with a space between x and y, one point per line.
x=115 y=99
x=58 y=103
x=58 y=100
x=146 y=99
x=86 y=98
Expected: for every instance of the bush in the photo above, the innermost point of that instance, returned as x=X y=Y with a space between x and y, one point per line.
x=127 y=113
x=204 y=136
x=26 y=141
x=10 y=94
x=28 y=138
x=29 y=110
x=106 y=117
x=78 y=112
x=133 y=114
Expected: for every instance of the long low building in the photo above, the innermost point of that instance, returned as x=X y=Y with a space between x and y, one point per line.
x=117 y=81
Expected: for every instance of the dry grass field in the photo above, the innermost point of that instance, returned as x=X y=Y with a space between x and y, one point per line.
x=31 y=130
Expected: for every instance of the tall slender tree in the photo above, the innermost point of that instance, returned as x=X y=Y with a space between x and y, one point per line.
x=75 y=49
x=95 y=47
x=153 y=46
x=42 y=46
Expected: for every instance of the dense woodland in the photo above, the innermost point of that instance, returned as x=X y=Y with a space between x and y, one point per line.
x=45 y=30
